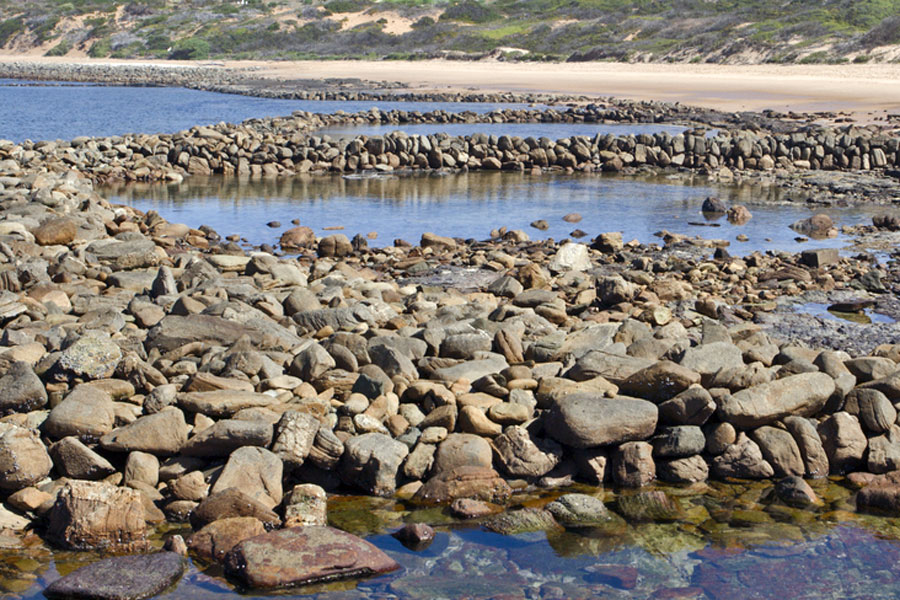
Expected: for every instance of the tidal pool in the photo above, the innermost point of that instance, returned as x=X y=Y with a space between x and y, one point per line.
x=470 y=205
x=722 y=541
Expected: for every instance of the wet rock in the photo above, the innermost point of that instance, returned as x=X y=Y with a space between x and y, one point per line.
x=121 y=578
x=521 y=521
x=162 y=434
x=75 y=460
x=23 y=458
x=93 y=515
x=477 y=483
x=304 y=555
x=622 y=577
x=297 y=238
x=649 y=505
x=467 y=508
x=692 y=469
x=337 y=245
x=793 y=491
x=632 y=464
x=256 y=472
x=738 y=214
x=713 y=205
x=21 y=390
x=521 y=456
x=306 y=504
x=415 y=536
x=371 y=462
x=579 y=510
x=217 y=539
x=232 y=503
x=92 y=356
x=743 y=460
x=816 y=226
x=797 y=395
x=586 y=420
x=844 y=442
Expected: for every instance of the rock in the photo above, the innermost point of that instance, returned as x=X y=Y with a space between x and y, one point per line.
x=23 y=458
x=256 y=472
x=713 y=205
x=579 y=510
x=311 y=363
x=650 y=505
x=297 y=238
x=141 y=469
x=75 y=460
x=608 y=242
x=820 y=257
x=693 y=469
x=430 y=240
x=217 y=539
x=738 y=214
x=660 y=381
x=225 y=436
x=163 y=434
x=632 y=464
x=306 y=504
x=816 y=226
x=884 y=452
x=86 y=412
x=869 y=368
x=472 y=370
x=793 y=491
x=520 y=456
x=874 y=410
x=21 y=390
x=614 y=289
x=521 y=521
x=95 y=515
x=327 y=449
x=586 y=421
x=678 y=442
x=371 y=462
x=780 y=450
x=337 y=245
x=92 y=356
x=478 y=483
x=175 y=331
x=223 y=403
x=708 y=359
x=121 y=578
x=796 y=395
x=415 y=536
x=844 y=442
x=815 y=459
x=56 y=231
x=570 y=257
x=621 y=577
x=232 y=503
x=693 y=406
x=304 y=555
x=190 y=486
x=462 y=449
x=466 y=508
x=294 y=437
x=743 y=460
x=465 y=345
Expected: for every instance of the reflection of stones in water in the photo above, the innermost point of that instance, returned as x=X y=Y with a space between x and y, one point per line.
x=864 y=316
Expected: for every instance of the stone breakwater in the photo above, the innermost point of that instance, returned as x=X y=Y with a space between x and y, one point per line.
x=150 y=373
x=285 y=146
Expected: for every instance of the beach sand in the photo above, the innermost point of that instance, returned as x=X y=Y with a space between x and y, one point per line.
x=865 y=90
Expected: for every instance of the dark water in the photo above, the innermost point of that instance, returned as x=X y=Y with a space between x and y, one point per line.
x=730 y=541
x=49 y=112
x=471 y=205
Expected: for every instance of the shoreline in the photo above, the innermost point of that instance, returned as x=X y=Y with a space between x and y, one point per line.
x=855 y=89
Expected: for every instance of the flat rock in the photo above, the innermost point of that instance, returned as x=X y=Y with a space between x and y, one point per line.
x=175 y=331
x=586 y=421
x=304 y=555
x=162 y=434
x=223 y=403
x=796 y=395
x=121 y=578
x=93 y=356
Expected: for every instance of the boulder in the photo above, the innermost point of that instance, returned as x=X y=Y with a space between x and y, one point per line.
x=75 y=460
x=521 y=456
x=815 y=459
x=294 y=437
x=570 y=257
x=56 y=231
x=163 y=434
x=660 y=381
x=796 y=395
x=21 y=390
x=844 y=442
x=579 y=510
x=225 y=436
x=462 y=450
x=478 y=483
x=302 y=556
x=692 y=469
x=693 y=406
x=707 y=359
x=256 y=472
x=175 y=331
x=87 y=412
x=120 y=578
x=94 y=515
x=217 y=539
x=632 y=464
x=306 y=504
x=371 y=462
x=223 y=403
x=586 y=420
x=743 y=460
x=232 y=503
x=92 y=356
x=780 y=450
x=678 y=442
x=23 y=458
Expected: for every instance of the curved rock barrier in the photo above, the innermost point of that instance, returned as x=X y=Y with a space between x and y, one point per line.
x=150 y=373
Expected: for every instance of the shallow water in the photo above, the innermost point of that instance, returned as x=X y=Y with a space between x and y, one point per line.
x=49 y=112
x=730 y=541
x=865 y=316
x=471 y=205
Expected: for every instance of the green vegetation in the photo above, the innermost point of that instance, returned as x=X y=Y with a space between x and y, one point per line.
x=661 y=30
x=61 y=49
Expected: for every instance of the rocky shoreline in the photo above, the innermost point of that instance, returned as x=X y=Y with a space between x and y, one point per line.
x=152 y=372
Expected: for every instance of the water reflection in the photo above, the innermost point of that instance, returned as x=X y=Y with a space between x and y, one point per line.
x=471 y=205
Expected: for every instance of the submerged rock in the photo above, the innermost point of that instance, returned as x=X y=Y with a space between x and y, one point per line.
x=120 y=578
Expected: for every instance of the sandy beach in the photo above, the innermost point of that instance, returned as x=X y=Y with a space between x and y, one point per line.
x=862 y=90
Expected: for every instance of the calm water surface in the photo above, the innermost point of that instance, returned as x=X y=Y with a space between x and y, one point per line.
x=49 y=112
x=471 y=205
x=727 y=541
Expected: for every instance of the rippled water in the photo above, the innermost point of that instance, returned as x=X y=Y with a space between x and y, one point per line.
x=49 y=112
x=471 y=205
x=730 y=541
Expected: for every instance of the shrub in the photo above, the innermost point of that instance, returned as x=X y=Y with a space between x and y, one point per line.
x=100 y=49
x=61 y=49
x=9 y=28
x=469 y=11
x=423 y=23
x=190 y=49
